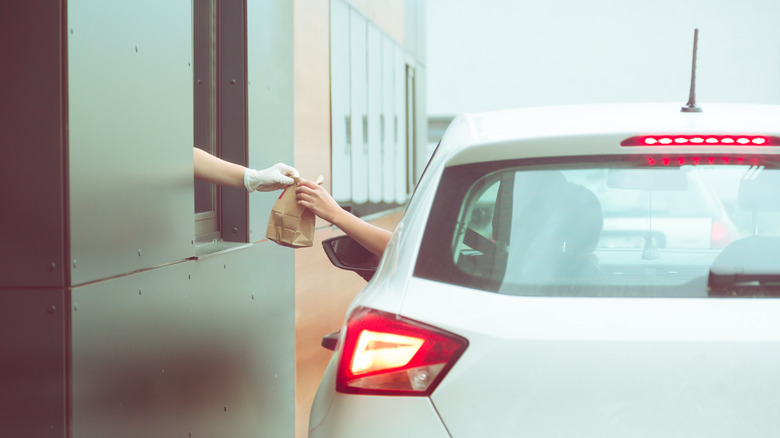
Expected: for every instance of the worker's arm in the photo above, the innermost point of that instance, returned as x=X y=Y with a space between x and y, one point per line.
x=218 y=171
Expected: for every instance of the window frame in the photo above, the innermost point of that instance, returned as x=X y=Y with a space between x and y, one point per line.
x=224 y=107
x=205 y=112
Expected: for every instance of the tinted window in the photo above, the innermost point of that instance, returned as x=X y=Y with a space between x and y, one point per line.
x=606 y=228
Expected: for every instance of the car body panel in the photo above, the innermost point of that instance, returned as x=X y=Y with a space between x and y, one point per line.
x=579 y=366
x=343 y=415
x=605 y=366
x=597 y=129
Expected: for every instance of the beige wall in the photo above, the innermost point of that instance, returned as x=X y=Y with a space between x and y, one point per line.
x=318 y=301
x=311 y=48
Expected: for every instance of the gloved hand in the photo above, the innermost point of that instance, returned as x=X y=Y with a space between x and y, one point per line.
x=275 y=177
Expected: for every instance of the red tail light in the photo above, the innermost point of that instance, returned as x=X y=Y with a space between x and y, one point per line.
x=721 y=236
x=696 y=160
x=701 y=140
x=384 y=354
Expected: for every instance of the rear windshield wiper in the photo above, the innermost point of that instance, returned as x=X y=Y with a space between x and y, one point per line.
x=747 y=267
x=744 y=284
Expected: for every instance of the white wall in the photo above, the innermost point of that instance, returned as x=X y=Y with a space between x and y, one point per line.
x=495 y=54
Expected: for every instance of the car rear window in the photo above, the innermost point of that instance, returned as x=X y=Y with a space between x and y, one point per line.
x=607 y=226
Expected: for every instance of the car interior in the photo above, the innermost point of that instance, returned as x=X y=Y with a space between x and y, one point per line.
x=552 y=245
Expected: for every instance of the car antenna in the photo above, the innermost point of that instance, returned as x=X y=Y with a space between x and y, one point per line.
x=691 y=106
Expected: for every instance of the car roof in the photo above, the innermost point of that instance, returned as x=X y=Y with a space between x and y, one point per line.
x=598 y=130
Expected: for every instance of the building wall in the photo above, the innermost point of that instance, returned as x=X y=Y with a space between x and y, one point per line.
x=201 y=347
x=130 y=136
x=271 y=105
x=166 y=341
x=116 y=320
x=33 y=268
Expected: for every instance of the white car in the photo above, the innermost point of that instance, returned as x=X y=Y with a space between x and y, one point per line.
x=549 y=278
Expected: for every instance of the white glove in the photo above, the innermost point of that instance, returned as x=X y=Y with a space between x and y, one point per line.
x=275 y=177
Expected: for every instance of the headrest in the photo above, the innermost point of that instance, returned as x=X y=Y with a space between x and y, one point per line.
x=758 y=191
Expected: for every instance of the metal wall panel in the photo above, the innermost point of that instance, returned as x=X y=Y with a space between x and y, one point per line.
x=270 y=99
x=378 y=167
x=32 y=144
x=340 y=98
x=411 y=125
x=359 y=106
x=199 y=348
x=232 y=114
x=33 y=361
x=401 y=148
x=374 y=93
x=388 y=119
x=420 y=129
x=415 y=43
x=414 y=29
x=130 y=135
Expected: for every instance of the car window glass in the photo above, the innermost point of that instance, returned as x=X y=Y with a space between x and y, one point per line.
x=548 y=229
x=476 y=229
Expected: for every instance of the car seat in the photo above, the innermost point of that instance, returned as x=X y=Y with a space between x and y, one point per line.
x=554 y=234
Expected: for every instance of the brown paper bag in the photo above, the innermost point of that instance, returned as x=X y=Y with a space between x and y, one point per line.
x=290 y=224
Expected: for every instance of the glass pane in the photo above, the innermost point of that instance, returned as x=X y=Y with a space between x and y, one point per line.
x=610 y=230
x=205 y=108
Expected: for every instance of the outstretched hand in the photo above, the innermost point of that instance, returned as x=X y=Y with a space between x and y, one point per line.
x=275 y=177
x=318 y=200
x=321 y=203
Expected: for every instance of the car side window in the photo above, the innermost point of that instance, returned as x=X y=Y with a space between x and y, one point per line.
x=474 y=246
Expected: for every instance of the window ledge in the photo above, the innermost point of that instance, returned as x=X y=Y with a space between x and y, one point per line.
x=209 y=249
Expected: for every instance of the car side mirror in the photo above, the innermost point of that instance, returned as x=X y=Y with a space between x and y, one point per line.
x=347 y=254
